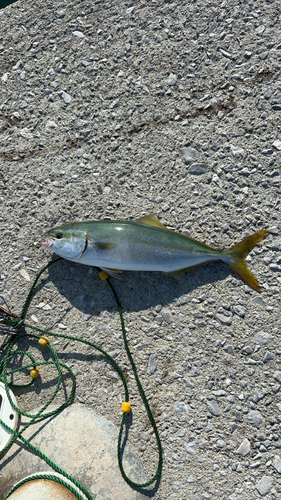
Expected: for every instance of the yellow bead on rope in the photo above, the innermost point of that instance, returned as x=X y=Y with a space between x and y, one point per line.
x=126 y=407
x=103 y=275
x=34 y=372
x=43 y=341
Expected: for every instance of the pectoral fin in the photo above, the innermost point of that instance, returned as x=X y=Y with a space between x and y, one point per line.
x=115 y=273
x=103 y=245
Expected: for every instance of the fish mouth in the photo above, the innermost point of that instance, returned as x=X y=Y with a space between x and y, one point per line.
x=49 y=242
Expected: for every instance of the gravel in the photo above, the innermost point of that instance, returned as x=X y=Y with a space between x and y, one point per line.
x=112 y=110
x=191 y=448
x=277 y=376
x=152 y=364
x=277 y=463
x=255 y=418
x=198 y=168
x=264 y=485
x=244 y=448
x=262 y=338
x=189 y=155
x=213 y=408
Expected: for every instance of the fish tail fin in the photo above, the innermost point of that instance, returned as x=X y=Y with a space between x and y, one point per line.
x=238 y=254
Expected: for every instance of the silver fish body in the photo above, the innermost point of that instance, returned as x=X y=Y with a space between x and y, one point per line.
x=144 y=248
x=134 y=246
x=142 y=245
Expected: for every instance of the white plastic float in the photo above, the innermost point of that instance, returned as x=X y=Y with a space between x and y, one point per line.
x=8 y=415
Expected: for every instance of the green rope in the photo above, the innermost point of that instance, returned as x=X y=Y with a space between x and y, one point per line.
x=150 y=415
x=50 y=477
x=9 y=350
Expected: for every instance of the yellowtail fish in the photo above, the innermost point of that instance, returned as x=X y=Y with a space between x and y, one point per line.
x=143 y=245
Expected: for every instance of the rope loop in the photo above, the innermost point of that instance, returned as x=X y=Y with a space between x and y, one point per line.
x=17 y=325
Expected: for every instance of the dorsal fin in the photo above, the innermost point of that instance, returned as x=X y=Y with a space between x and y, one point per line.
x=151 y=220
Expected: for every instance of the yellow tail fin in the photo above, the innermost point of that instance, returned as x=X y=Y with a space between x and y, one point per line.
x=238 y=254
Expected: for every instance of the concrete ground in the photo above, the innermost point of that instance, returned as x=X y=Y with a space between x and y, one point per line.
x=113 y=109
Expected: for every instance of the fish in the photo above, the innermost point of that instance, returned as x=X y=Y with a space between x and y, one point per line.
x=144 y=245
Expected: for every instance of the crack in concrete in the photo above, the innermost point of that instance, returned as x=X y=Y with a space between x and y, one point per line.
x=223 y=106
x=210 y=109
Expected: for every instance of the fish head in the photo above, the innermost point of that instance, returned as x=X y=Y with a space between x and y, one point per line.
x=67 y=241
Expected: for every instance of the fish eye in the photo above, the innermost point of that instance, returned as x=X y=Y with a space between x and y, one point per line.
x=58 y=236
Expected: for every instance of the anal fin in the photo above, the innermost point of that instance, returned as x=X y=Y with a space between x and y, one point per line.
x=180 y=271
x=175 y=274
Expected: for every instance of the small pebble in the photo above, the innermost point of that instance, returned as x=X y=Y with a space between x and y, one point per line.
x=25 y=274
x=167 y=316
x=78 y=34
x=213 y=408
x=50 y=126
x=255 y=418
x=277 y=145
x=172 y=80
x=244 y=448
x=258 y=300
x=220 y=443
x=66 y=97
x=17 y=267
x=277 y=463
x=152 y=364
x=240 y=311
x=237 y=152
x=269 y=356
x=62 y=326
x=189 y=155
x=277 y=376
x=264 y=485
x=260 y=29
x=198 y=169
x=261 y=337
x=191 y=447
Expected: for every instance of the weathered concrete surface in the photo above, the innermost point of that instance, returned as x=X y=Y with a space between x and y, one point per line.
x=116 y=109
x=84 y=445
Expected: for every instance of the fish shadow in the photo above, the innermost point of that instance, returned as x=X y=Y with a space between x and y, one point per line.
x=136 y=291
